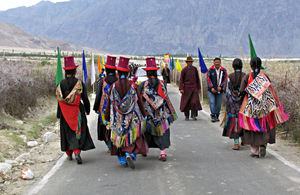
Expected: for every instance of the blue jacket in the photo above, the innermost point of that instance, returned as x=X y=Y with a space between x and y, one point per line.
x=212 y=78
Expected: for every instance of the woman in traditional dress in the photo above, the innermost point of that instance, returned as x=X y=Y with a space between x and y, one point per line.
x=124 y=117
x=102 y=98
x=260 y=111
x=74 y=131
x=161 y=111
x=233 y=104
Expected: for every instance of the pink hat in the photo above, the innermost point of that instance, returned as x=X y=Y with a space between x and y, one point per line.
x=110 y=62
x=123 y=64
x=150 y=64
x=69 y=63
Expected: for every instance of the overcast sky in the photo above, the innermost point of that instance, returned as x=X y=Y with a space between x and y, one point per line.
x=8 y=4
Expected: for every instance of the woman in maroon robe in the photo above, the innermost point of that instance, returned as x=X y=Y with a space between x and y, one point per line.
x=189 y=87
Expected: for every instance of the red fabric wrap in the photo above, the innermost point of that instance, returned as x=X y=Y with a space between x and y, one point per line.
x=70 y=112
x=161 y=92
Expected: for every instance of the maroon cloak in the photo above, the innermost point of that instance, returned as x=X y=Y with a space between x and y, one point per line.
x=190 y=83
x=140 y=145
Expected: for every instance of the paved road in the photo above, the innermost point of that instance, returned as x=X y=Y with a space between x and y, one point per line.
x=200 y=161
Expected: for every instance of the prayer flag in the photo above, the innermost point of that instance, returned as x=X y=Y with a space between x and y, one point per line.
x=59 y=74
x=173 y=66
x=201 y=62
x=167 y=57
x=103 y=62
x=99 y=65
x=178 y=66
x=252 y=50
x=93 y=78
x=170 y=65
x=85 y=75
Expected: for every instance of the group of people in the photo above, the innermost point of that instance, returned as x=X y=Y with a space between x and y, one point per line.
x=132 y=119
x=253 y=108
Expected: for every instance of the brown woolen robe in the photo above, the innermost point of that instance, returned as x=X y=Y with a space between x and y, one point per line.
x=190 y=98
x=140 y=145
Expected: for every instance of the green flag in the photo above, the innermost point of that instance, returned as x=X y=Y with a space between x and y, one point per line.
x=252 y=50
x=173 y=66
x=59 y=74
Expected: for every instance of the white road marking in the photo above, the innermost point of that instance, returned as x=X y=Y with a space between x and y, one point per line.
x=279 y=157
x=44 y=180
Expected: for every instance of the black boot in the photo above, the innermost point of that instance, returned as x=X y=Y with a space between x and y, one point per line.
x=78 y=158
x=70 y=157
x=213 y=118
x=217 y=118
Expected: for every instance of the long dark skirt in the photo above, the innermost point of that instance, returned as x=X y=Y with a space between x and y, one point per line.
x=231 y=134
x=101 y=131
x=138 y=147
x=68 y=139
x=161 y=142
x=258 y=138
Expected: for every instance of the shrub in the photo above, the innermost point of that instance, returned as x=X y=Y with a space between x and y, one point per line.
x=22 y=84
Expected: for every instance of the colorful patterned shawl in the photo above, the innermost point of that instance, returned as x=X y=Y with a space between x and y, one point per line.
x=69 y=107
x=126 y=117
x=261 y=106
x=159 y=107
x=103 y=102
x=233 y=105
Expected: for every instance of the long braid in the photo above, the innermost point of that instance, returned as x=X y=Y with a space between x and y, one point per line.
x=125 y=74
x=238 y=66
x=255 y=63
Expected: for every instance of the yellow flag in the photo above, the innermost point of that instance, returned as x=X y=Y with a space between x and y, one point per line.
x=178 y=66
x=99 y=65
x=103 y=62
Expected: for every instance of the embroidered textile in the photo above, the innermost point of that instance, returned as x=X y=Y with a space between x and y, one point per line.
x=70 y=107
x=159 y=108
x=126 y=117
x=233 y=105
x=103 y=102
x=261 y=106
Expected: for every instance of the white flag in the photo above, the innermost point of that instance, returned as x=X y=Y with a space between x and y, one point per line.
x=93 y=78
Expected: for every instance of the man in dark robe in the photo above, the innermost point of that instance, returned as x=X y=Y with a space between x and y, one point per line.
x=101 y=99
x=166 y=74
x=189 y=87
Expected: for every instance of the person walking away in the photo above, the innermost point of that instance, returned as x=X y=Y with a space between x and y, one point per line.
x=233 y=104
x=161 y=111
x=74 y=131
x=101 y=100
x=216 y=76
x=124 y=116
x=260 y=111
x=189 y=87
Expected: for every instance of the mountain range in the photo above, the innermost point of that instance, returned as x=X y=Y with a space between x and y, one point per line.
x=140 y=27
